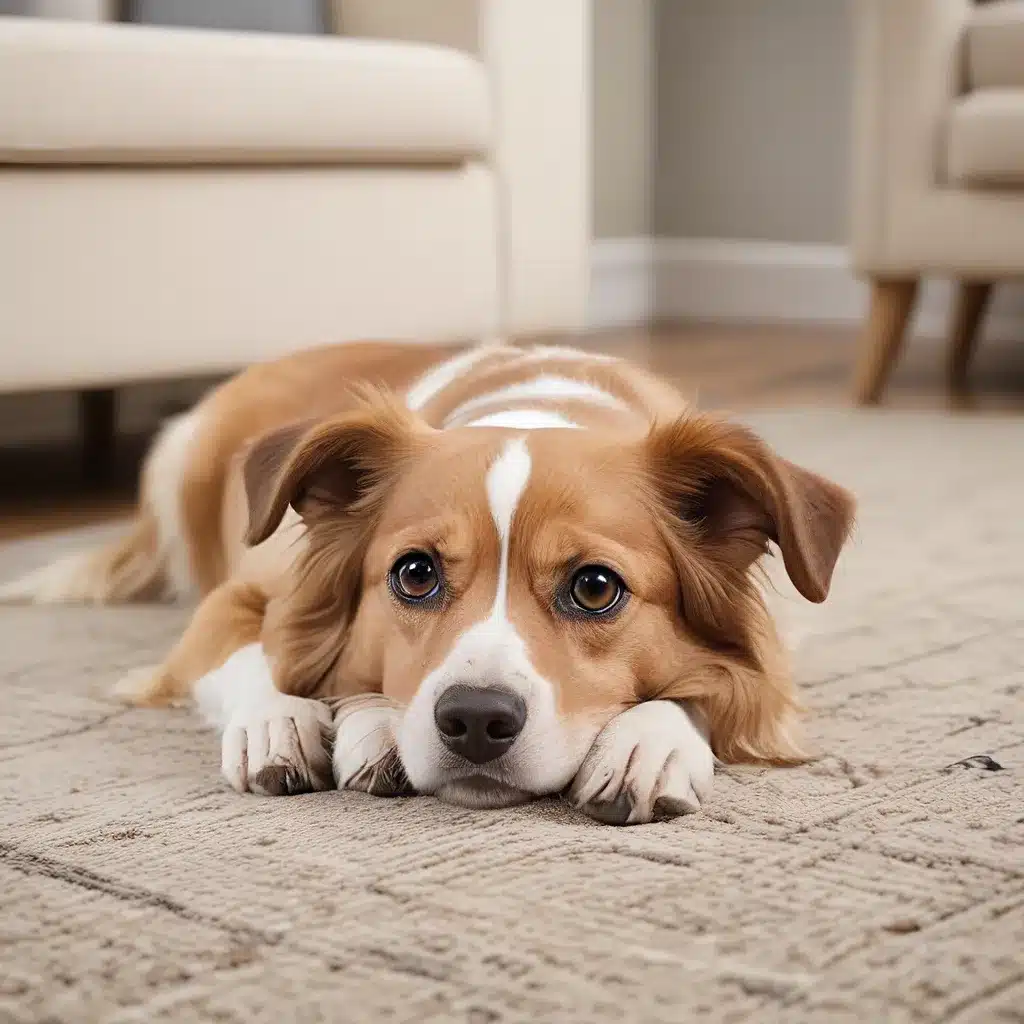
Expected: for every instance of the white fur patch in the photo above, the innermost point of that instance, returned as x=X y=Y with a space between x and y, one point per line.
x=365 y=755
x=526 y=419
x=546 y=387
x=435 y=380
x=163 y=474
x=271 y=743
x=565 y=352
x=243 y=683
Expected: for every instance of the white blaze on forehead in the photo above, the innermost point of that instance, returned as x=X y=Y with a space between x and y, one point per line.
x=506 y=481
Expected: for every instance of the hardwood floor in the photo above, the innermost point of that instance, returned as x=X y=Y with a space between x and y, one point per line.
x=765 y=366
x=723 y=367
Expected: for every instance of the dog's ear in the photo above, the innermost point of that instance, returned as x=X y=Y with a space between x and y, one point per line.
x=739 y=495
x=325 y=466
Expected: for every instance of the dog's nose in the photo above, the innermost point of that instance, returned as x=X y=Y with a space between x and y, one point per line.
x=480 y=723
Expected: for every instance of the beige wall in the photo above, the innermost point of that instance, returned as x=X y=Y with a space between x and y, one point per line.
x=753 y=119
x=733 y=123
x=623 y=98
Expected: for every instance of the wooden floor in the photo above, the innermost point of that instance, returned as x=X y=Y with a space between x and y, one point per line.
x=722 y=367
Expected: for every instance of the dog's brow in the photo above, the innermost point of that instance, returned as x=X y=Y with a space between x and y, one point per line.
x=428 y=533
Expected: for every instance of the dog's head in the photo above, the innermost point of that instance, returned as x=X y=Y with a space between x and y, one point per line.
x=515 y=590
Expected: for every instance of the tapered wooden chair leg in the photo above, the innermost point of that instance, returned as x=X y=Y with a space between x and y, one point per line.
x=969 y=304
x=892 y=303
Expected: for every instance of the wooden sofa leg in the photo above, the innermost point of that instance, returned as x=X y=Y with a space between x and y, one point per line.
x=892 y=302
x=969 y=305
x=97 y=417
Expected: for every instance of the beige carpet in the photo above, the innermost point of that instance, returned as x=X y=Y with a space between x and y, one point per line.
x=878 y=884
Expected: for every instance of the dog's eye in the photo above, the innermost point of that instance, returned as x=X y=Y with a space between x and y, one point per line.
x=595 y=589
x=414 y=577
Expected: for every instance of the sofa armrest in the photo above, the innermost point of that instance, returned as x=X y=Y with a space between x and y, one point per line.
x=908 y=67
x=537 y=54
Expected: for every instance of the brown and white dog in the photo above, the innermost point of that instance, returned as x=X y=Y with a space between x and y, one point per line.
x=493 y=576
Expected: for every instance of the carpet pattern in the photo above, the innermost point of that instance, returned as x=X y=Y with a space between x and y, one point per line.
x=883 y=882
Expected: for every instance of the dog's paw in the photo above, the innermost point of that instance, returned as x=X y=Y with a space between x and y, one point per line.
x=649 y=762
x=280 y=749
x=365 y=750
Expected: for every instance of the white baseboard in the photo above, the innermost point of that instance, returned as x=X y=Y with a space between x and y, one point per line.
x=622 y=282
x=712 y=279
x=637 y=280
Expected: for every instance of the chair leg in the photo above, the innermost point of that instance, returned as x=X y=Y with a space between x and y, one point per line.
x=892 y=302
x=969 y=305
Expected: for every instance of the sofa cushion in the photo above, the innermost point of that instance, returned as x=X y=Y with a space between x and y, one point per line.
x=986 y=139
x=995 y=45
x=104 y=93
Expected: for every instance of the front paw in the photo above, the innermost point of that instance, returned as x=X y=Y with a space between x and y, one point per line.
x=279 y=750
x=649 y=762
x=365 y=750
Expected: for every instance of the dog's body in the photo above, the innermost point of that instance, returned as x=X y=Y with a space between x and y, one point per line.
x=524 y=570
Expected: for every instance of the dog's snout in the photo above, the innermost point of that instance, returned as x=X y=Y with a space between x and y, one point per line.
x=479 y=723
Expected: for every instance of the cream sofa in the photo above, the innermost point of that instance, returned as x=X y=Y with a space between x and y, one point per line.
x=177 y=202
x=939 y=165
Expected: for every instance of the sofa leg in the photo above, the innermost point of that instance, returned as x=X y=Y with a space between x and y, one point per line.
x=969 y=305
x=97 y=418
x=892 y=302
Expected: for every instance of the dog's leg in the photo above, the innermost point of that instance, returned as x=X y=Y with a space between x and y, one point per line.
x=651 y=761
x=229 y=618
x=365 y=749
x=271 y=743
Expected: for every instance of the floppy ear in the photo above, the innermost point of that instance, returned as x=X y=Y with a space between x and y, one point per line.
x=320 y=466
x=739 y=495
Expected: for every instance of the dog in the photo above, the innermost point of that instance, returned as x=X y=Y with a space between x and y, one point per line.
x=490 y=576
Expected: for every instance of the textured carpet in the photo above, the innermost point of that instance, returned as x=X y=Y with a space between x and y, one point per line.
x=876 y=884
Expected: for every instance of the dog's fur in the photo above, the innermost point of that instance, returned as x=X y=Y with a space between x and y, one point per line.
x=284 y=499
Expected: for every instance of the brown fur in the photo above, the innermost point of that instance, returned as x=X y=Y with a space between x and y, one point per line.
x=129 y=567
x=307 y=385
x=681 y=504
x=685 y=513
x=336 y=473
x=229 y=617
